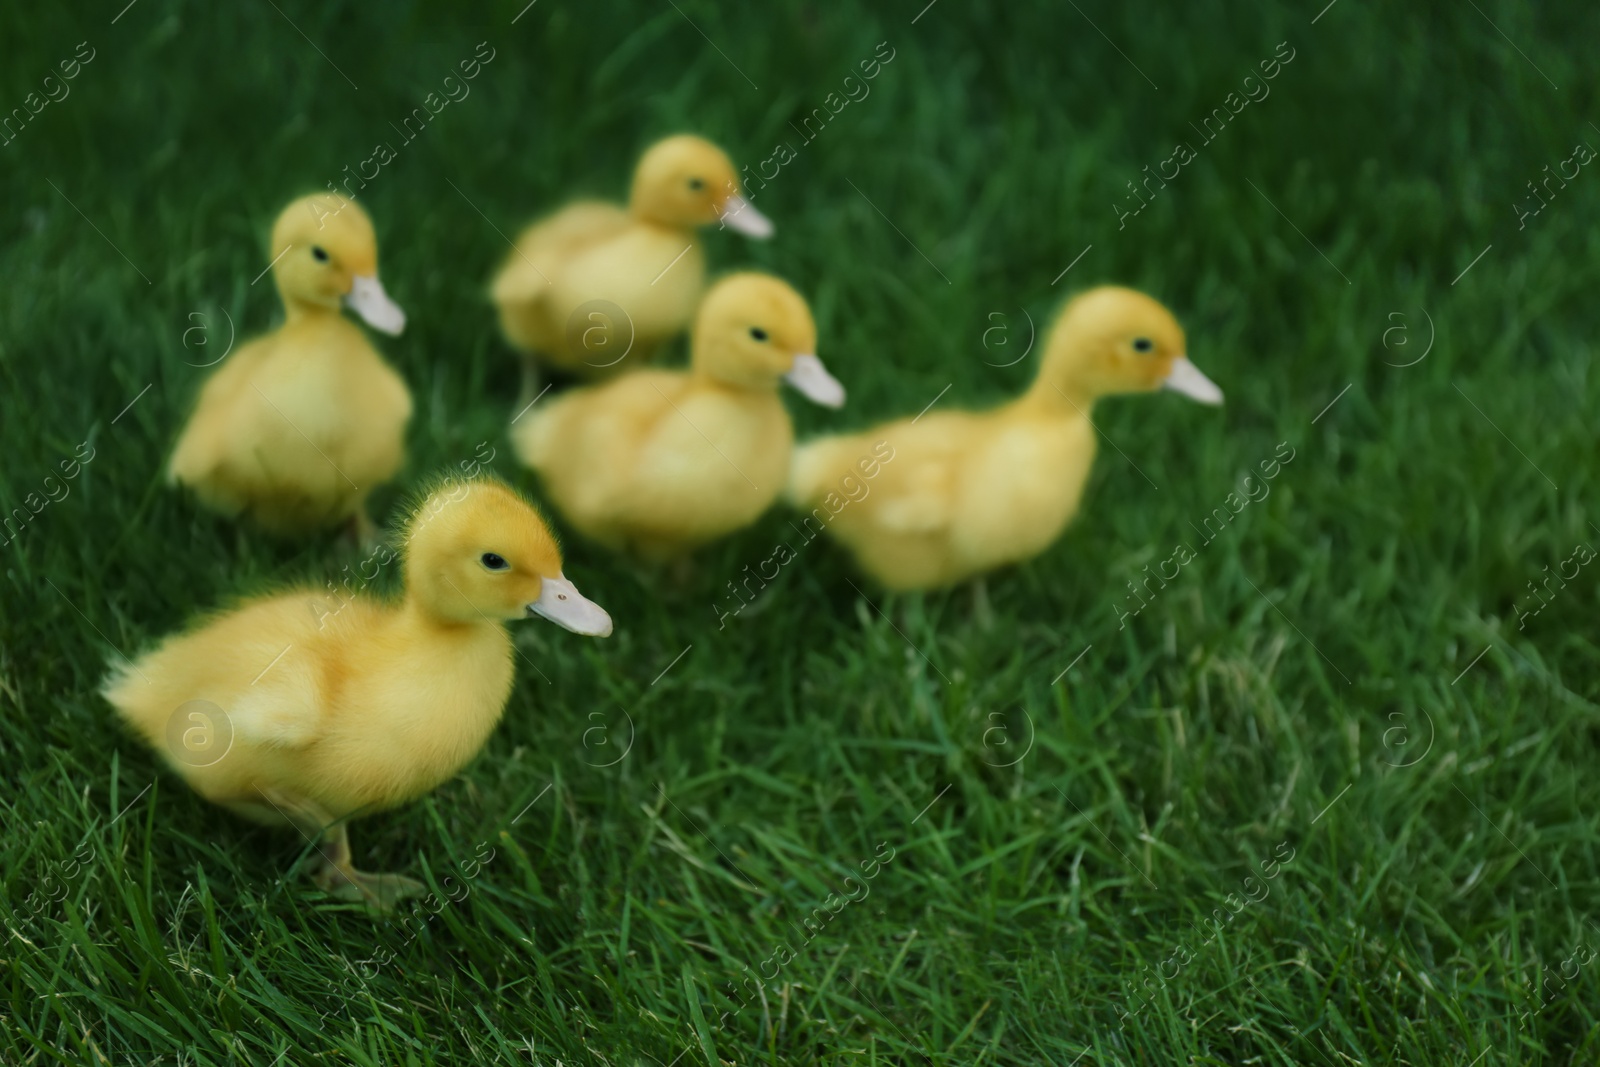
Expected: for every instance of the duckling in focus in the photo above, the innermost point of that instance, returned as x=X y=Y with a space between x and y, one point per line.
x=658 y=462
x=595 y=283
x=963 y=493
x=302 y=424
x=289 y=714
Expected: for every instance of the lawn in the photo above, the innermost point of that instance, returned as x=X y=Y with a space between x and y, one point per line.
x=1317 y=799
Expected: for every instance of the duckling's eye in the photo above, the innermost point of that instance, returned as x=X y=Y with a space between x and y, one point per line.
x=1143 y=344
x=696 y=184
x=758 y=333
x=494 y=561
x=319 y=253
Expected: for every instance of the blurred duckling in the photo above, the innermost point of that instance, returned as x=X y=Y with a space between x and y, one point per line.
x=289 y=714
x=658 y=462
x=963 y=493
x=299 y=426
x=595 y=283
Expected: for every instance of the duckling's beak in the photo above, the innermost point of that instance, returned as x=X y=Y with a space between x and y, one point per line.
x=739 y=214
x=814 y=382
x=1187 y=379
x=367 y=299
x=561 y=603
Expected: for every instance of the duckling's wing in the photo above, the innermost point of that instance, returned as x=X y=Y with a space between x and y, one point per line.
x=278 y=698
x=597 y=429
x=286 y=714
x=922 y=499
x=576 y=227
x=913 y=492
x=202 y=443
x=256 y=666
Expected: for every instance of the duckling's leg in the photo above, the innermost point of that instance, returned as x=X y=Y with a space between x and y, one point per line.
x=361 y=530
x=681 y=571
x=530 y=381
x=982 y=613
x=335 y=874
x=339 y=877
x=366 y=529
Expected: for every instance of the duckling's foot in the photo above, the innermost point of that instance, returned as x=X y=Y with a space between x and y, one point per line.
x=380 y=891
x=339 y=878
x=361 y=530
x=334 y=873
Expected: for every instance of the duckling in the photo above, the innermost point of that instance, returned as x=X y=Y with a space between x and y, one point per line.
x=658 y=462
x=570 y=276
x=962 y=493
x=322 y=716
x=301 y=424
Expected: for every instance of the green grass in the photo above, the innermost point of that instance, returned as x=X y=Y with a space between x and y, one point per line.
x=1341 y=673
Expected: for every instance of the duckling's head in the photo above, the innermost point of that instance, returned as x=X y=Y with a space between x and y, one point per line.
x=327 y=254
x=687 y=181
x=753 y=330
x=1115 y=340
x=476 y=551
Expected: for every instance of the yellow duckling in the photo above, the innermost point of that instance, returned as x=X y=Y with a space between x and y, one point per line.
x=290 y=714
x=962 y=493
x=595 y=283
x=657 y=462
x=300 y=425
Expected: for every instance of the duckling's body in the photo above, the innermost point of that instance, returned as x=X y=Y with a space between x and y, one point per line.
x=966 y=492
x=298 y=426
x=362 y=709
x=658 y=462
x=318 y=716
x=627 y=465
x=596 y=254
x=596 y=288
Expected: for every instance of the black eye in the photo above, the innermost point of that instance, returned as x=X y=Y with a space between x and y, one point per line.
x=1143 y=344
x=319 y=254
x=696 y=184
x=758 y=333
x=494 y=562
